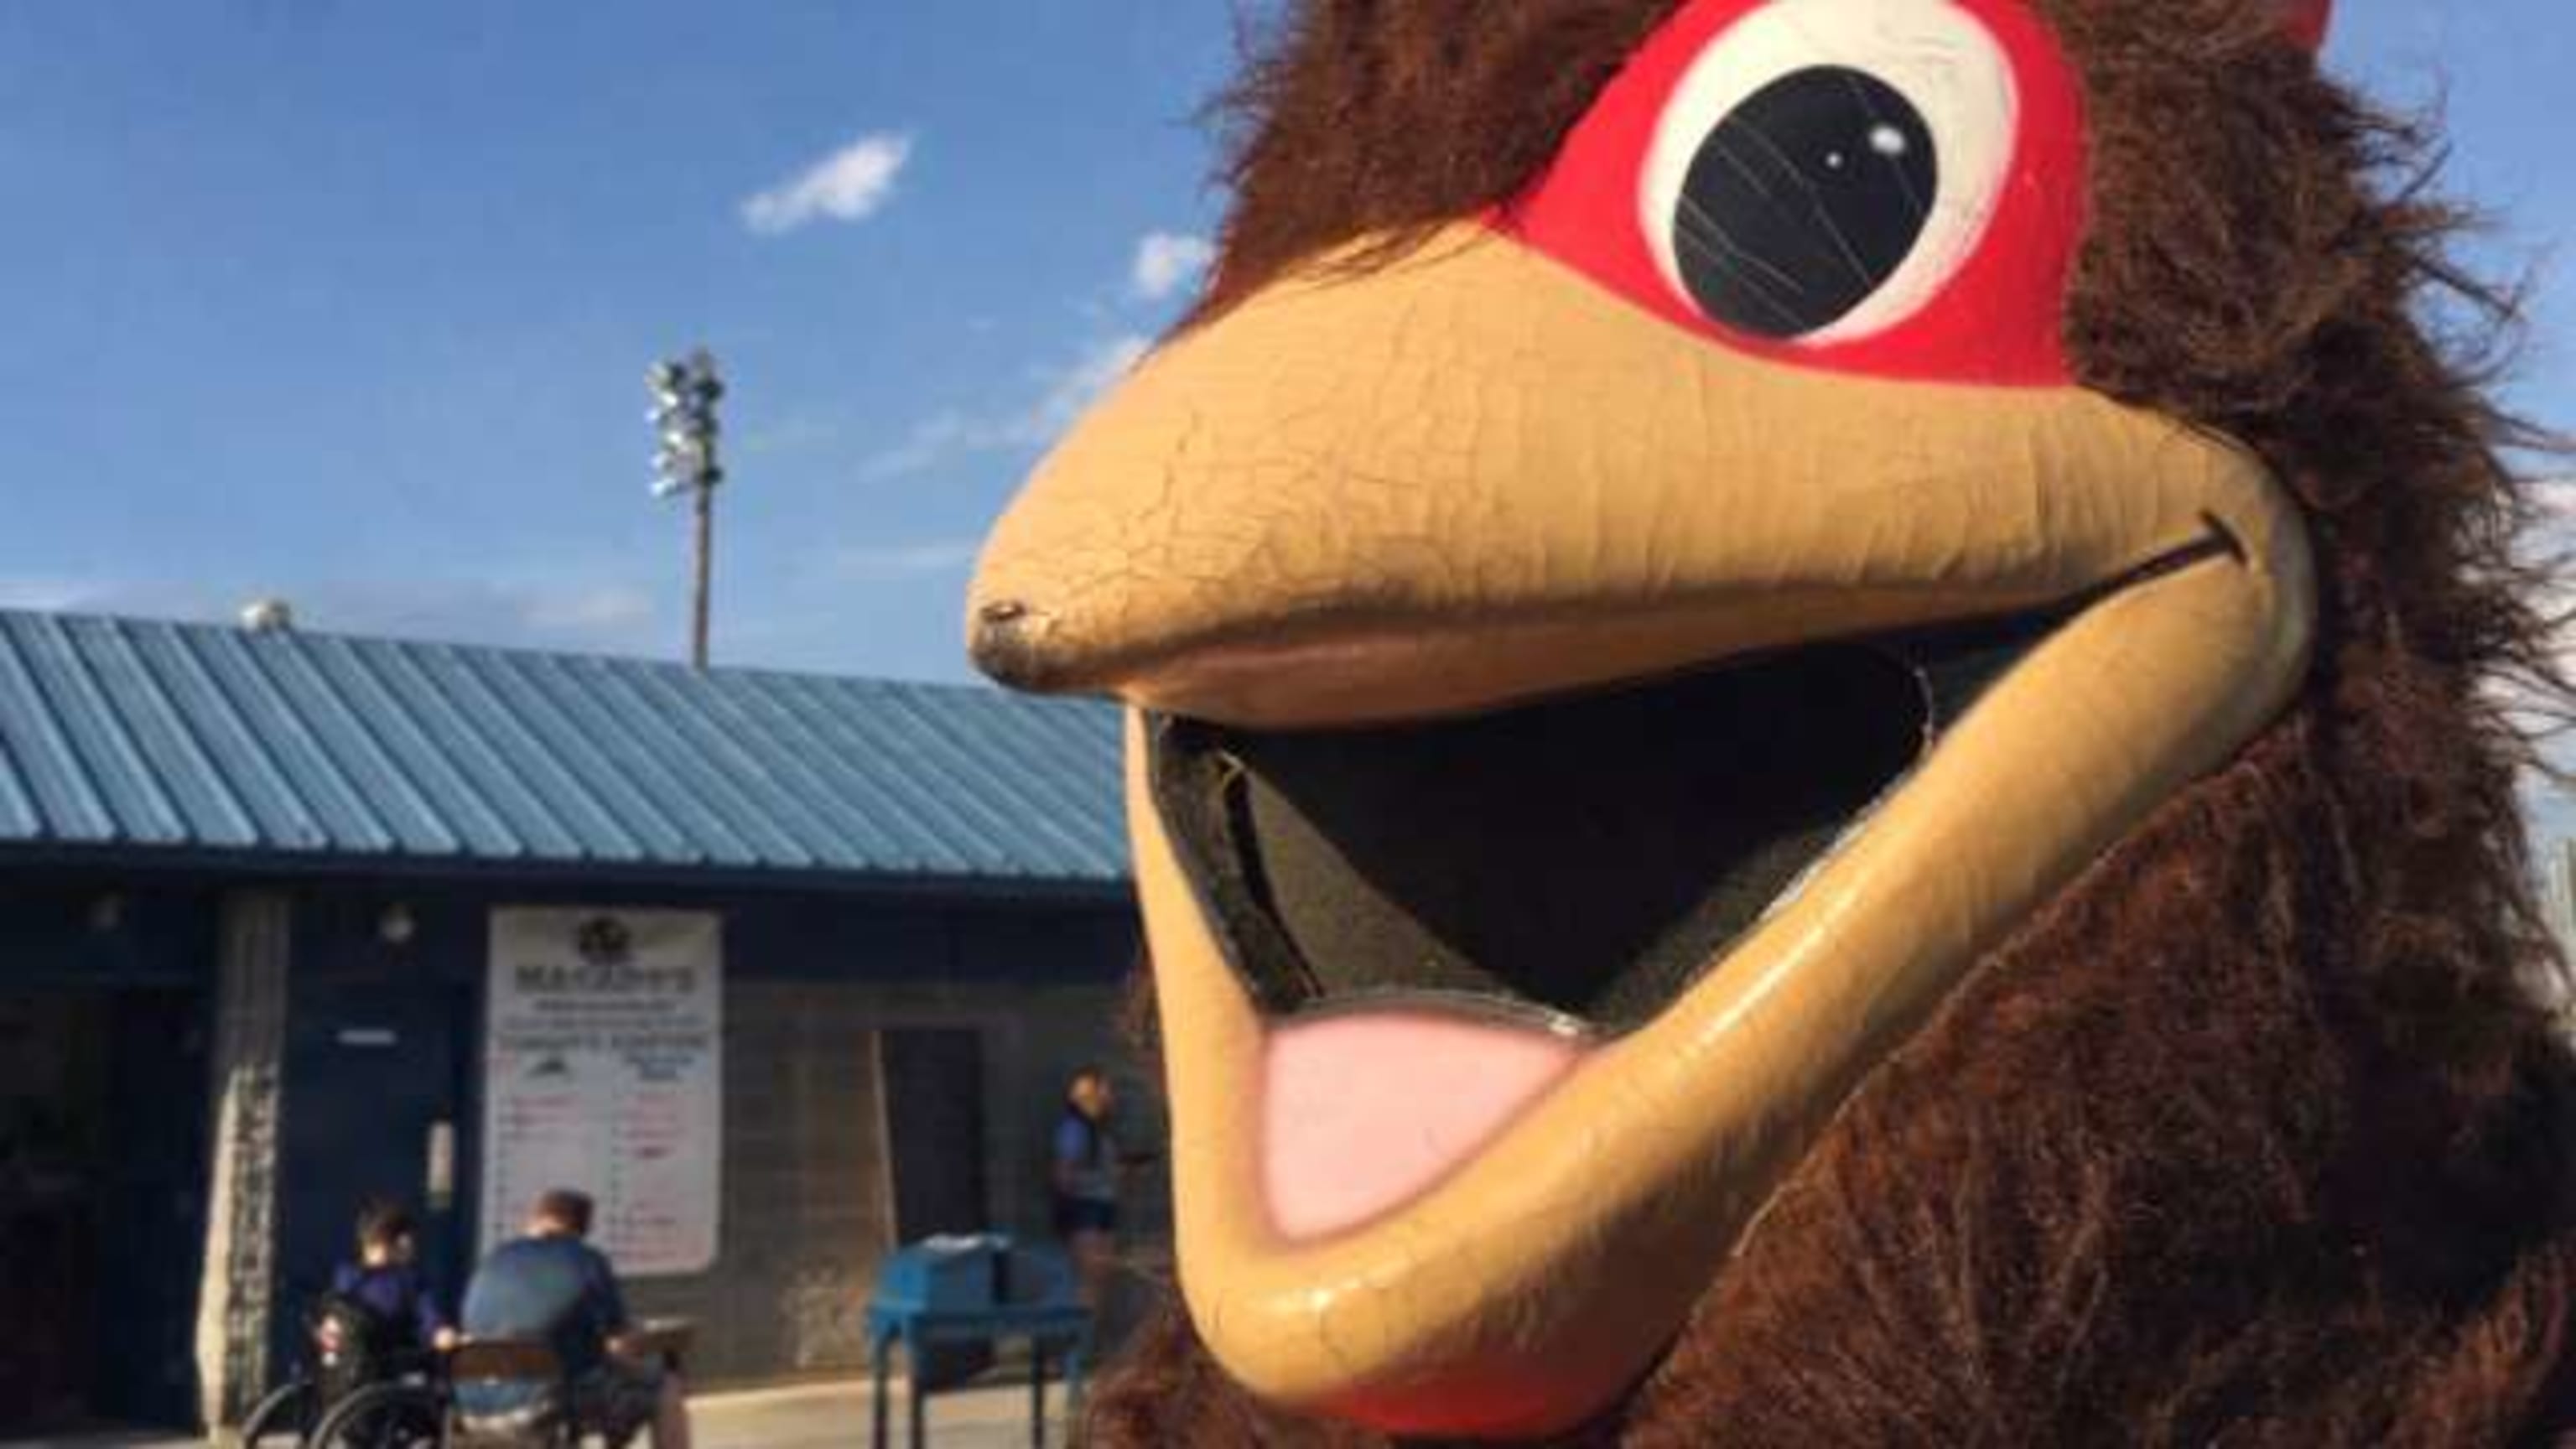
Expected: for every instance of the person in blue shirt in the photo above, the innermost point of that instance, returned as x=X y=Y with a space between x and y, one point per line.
x=1085 y=1180
x=386 y=1281
x=551 y=1285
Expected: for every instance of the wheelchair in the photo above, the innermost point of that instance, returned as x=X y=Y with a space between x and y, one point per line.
x=432 y=1412
x=350 y=1350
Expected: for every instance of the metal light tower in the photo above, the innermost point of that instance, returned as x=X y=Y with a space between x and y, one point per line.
x=685 y=392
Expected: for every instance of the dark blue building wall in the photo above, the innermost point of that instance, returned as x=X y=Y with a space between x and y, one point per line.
x=74 y=930
x=384 y=1038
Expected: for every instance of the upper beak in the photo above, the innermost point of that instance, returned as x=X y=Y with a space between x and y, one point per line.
x=1474 y=477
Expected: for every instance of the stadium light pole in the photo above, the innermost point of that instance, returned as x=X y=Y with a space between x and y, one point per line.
x=685 y=393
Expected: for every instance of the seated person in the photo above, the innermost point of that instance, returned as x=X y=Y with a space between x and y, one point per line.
x=386 y=1281
x=553 y=1287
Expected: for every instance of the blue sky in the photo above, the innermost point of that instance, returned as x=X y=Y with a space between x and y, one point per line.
x=350 y=302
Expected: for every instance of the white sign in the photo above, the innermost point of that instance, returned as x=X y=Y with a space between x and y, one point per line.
x=604 y=1073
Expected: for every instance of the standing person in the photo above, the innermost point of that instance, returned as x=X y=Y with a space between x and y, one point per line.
x=1085 y=1180
x=386 y=1278
x=551 y=1285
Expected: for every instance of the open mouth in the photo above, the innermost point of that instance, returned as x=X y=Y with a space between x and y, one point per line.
x=1441 y=920
x=1575 y=863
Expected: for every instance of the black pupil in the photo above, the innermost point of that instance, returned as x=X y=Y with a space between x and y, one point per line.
x=1804 y=201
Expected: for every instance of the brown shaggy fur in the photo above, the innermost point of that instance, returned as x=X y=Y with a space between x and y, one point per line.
x=2257 y=1134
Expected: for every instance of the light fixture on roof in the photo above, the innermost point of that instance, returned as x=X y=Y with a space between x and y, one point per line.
x=685 y=392
x=268 y=616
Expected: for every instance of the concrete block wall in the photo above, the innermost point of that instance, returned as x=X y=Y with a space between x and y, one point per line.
x=807 y=1208
x=807 y=1205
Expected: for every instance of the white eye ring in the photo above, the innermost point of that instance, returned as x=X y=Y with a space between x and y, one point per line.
x=1939 y=57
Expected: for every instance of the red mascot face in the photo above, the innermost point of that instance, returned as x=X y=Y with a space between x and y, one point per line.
x=1599 y=682
x=1886 y=189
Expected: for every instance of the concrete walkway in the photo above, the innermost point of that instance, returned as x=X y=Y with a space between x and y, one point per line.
x=993 y=1415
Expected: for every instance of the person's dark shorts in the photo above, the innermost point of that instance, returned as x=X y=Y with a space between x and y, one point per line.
x=1082 y=1215
x=617 y=1399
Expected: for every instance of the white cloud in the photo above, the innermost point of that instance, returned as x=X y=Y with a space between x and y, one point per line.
x=898 y=562
x=605 y=615
x=797 y=433
x=50 y=595
x=1063 y=394
x=939 y=438
x=848 y=185
x=608 y=610
x=1168 y=261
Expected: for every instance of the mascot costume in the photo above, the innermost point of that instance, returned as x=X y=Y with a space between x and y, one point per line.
x=1814 y=750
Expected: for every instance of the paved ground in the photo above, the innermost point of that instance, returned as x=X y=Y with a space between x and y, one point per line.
x=994 y=1416
x=838 y=1415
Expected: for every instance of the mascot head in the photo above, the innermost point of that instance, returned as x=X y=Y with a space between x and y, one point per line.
x=1681 y=532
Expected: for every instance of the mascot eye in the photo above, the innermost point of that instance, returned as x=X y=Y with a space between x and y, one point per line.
x=1826 y=167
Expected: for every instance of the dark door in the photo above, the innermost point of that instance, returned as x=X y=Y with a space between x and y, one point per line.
x=152 y=1207
x=372 y=1072
x=103 y=1122
x=53 y=1149
x=934 y=1106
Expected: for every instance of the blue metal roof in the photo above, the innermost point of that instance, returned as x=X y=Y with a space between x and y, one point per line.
x=133 y=738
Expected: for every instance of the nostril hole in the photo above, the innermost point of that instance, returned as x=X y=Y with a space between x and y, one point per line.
x=1005 y=644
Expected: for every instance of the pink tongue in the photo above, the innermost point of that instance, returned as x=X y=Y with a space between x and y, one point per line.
x=1362 y=1112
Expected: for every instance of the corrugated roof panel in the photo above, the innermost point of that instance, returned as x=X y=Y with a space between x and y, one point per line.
x=1095 y=757
x=1059 y=791
x=1008 y=795
x=430 y=768
x=594 y=830
x=1078 y=777
x=872 y=823
x=99 y=737
x=930 y=840
x=885 y=753
x=763 y=780
x=180 y=769
x=310 y=695
x=177 y=738
x=652 y=773
x=999 y=795
x=66 y=807
x=581 y=758
x=301 y=754
x=471 y=759
x=696 y=762
x=279 y=813
x=18 y=815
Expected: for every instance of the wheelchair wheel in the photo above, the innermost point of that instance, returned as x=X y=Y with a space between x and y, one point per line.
x=283 y=1419
x=385 y=1416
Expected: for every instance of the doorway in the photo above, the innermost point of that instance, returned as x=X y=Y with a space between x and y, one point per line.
x=934 y=1122
x=934 y=1108
x=102 y=1216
